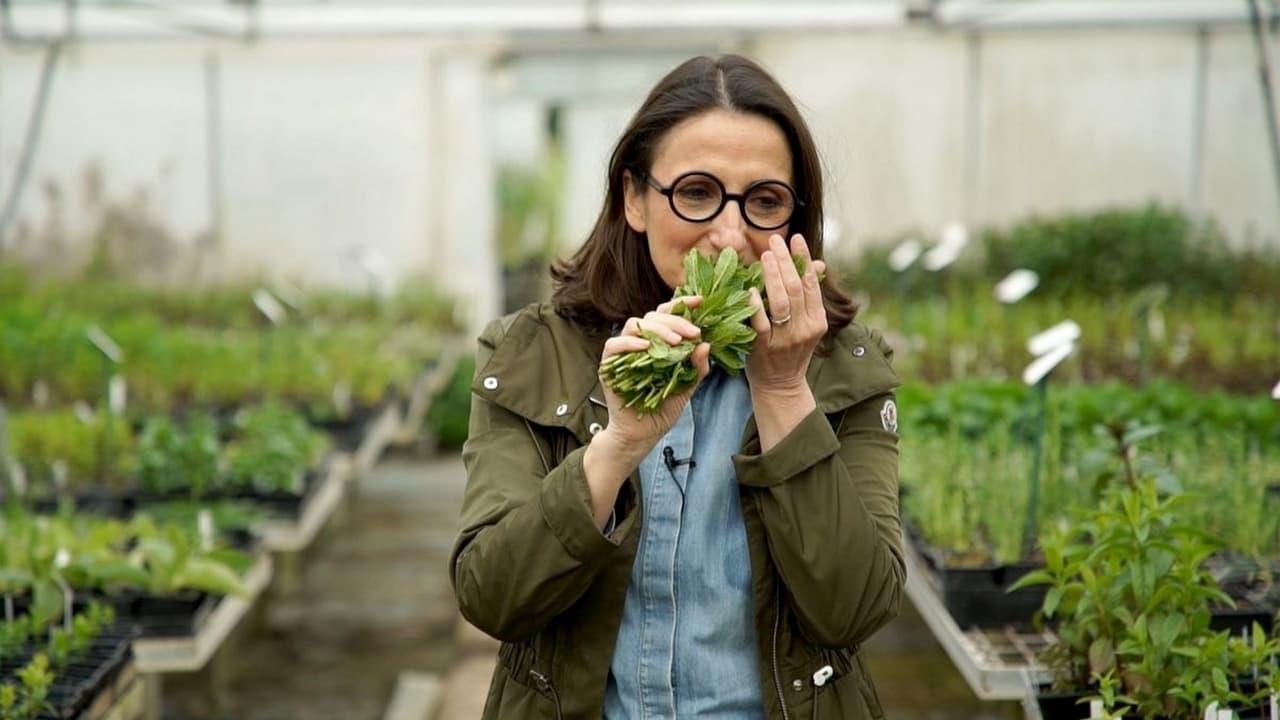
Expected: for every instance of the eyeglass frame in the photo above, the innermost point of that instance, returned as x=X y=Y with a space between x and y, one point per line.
x=725 y=196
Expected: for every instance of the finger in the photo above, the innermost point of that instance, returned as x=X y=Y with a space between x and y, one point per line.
x=791 y=277
x=689 y=301
x=702 y=360
x=819 y=268
x=775 y=289
x=631 y=326
x=622 y=344
x=759 y=322
x=813 y=306
x=679 y=327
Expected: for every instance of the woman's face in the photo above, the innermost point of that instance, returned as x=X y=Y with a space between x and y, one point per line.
x=738 y=149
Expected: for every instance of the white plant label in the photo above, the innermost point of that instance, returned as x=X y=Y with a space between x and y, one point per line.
x=906 y=253
x=117 y=394
x=1095 y=708
x=955 y=233
x=83 y=412
x=62 y=558
x=40 y=394
x=18 y=478
x=1155 y=324
x=1275 y=391
x=269 y=306
x=1064 y=333
x=105 y=344
x=1043 y=365
x=342 y=398
x=204 y=523
x=290 y=295
x=1016 y=285
x=954 y=238
x=60 y=472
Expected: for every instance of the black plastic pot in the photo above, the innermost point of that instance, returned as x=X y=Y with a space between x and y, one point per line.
x=178 y=615
x=1241 y=618
x=979 y=596
x=1061 y=706
x=347 y=433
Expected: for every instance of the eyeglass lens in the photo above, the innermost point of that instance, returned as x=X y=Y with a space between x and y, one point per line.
x=698 y=198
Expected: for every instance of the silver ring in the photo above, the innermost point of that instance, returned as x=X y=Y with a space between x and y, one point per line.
x=780 y=321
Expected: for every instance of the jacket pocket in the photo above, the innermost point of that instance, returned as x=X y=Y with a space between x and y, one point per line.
x=841 y=685
x=530 y=663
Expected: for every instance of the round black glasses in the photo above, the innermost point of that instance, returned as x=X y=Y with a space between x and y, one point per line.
x=699 y=197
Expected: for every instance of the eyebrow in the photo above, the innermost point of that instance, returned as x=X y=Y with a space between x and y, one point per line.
x=708 y=172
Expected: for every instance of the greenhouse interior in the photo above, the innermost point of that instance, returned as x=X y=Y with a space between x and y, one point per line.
x=255 y=461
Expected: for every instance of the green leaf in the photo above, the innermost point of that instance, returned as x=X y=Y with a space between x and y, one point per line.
x=208 y=575
x=1102 y=656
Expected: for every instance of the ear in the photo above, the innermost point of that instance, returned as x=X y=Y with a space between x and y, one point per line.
x=633 y=201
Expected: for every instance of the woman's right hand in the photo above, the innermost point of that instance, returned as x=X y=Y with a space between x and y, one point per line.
x=631 y=434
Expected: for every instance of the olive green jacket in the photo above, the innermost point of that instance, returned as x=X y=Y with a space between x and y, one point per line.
x=531 y=568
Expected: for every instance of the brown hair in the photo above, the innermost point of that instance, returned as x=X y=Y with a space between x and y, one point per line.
x=611 y=277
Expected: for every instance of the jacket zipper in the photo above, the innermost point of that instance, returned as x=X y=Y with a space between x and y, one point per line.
x=545 y=686
x=777 y=675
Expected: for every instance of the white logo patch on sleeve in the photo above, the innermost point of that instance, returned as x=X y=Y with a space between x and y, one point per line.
x=889 y=416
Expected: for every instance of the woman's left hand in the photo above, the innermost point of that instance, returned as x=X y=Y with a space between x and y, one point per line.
x=796 y=320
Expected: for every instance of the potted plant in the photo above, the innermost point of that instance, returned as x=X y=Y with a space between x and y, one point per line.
x=1128 y=586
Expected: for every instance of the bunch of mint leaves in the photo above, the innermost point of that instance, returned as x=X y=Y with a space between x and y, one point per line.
x=643 y=379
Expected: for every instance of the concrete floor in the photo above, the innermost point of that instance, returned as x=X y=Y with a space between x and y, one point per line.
x=372 y=598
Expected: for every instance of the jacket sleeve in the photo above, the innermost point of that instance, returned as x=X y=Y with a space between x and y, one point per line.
x=829 y=504
x=528 y=546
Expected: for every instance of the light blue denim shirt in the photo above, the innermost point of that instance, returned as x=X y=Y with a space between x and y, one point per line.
x=686 y=647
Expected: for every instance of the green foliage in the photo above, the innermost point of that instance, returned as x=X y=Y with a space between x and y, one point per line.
x=1102 y=254
x=172 y=458
x=1116 y=251
x=529 y=223
x=644 y=379
x=270 y=449
x=93 y=451
x=1127 y=582
x=68 y=645
x=968 y=449
x=1232 y=345
x=14 y=636
x=450 y=411
x=106 y=555
x=172 y=559
x=170 y=367
x=273 y=448
x=36 y=679
x=227 y=515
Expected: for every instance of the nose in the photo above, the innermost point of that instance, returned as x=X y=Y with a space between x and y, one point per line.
x=729 y=228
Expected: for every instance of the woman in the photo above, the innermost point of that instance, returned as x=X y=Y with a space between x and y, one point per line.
x=726 y=556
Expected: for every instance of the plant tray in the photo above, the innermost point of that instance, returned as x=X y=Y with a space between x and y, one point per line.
x=164 y=615
x=995 y=662
x=190 y=653
x=79 y=681
x=978 y=596
x=76 y=685
x=293 y=534
x=347 y=433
